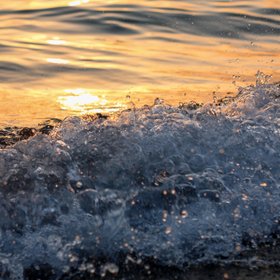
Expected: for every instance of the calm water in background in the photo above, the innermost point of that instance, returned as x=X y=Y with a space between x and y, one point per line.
x=66 y=57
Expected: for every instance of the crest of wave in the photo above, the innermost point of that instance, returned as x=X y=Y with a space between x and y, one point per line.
x=178 y=185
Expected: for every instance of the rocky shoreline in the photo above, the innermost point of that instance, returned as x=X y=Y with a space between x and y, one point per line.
x=12 y=134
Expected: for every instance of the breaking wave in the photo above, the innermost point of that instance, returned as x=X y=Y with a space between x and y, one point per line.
x=173 y=186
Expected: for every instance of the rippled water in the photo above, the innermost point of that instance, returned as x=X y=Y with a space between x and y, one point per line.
x=67 y=57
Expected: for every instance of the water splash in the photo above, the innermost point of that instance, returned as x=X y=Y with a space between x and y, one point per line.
x=172 y=186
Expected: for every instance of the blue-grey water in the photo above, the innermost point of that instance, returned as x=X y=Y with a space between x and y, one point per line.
x=160 y=185
x=147 y=189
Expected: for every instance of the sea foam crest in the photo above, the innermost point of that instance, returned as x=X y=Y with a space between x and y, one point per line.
x=181 y=186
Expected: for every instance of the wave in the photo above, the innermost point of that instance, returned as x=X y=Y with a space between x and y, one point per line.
x=175 y=187
x=140 y=19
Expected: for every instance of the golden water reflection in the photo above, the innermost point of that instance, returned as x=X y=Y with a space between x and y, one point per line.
x=84 y=101
x=78 y=2
x=55 y=41
x=57 y=62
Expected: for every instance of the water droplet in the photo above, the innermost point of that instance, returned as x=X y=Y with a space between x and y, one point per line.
x=158 y=101
x=111 y=268
x=262 y=79
x=184 y=214
x=226 y=275
x=168 y=230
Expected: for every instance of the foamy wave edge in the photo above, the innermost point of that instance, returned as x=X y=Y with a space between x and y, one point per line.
x=172 y=186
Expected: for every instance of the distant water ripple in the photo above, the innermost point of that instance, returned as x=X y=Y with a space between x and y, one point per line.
x=144 y=49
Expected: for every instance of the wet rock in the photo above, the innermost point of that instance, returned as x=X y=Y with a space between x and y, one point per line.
x=26 y=133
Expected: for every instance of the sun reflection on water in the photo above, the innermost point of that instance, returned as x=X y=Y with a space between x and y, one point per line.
x=84 y=101
x=78 y=2
x=57 y=61
x=56 y=41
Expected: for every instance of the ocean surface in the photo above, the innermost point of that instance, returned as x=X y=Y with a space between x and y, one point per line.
x=62 y=57
x=107 y=187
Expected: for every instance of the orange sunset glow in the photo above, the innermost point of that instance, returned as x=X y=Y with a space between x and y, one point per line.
x=142 y=62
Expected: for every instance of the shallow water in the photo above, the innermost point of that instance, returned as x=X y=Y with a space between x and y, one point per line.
x=155 y=187
x=68 y=57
